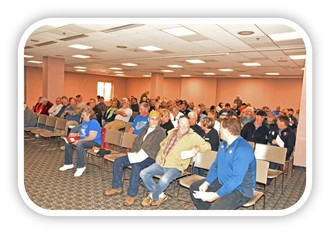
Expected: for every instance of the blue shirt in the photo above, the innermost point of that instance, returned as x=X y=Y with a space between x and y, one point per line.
x=139 y=123
x=235 y=168
x=91 y=125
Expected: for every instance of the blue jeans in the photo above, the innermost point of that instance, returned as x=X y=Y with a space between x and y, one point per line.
x=118 y=169
x=80 y=147
x=231 y=201
x=168 y=175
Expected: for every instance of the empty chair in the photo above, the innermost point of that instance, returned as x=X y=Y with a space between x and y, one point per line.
x=40 y=124
x=261 y=178
x=48 y=126
x=59 y=130
x=202 y=160
x=272 y=154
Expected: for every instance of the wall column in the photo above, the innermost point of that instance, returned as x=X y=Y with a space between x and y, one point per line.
x=156 y=84
x=53 y=78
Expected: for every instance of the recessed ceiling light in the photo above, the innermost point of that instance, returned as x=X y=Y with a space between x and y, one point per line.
x=186 y=75
x=252 y=64
x=195 y=61
x=150 y=48
x=80 y=47
x=272 y=73
x=284 y=36
x=209 y=73
x=146 y=75
x=180 y=31
x=296 y=57
x=129 y=64
x=120 y=75
x=226 y=69
x=174 y=66
x=115 y=68
x=118 y=72
x=80 y=70
x=245 y=33
x=166 y=70
x=34 y=61
x=28 y=56
x=81 y=56
x=245 y=75
x=80 y=67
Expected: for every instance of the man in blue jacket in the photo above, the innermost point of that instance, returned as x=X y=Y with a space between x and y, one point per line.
x=231 y=179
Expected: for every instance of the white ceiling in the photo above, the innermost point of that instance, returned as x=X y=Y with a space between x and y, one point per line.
x=219 y=45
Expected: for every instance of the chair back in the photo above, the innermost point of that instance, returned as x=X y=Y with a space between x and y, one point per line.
x=127 y=141
x=270 y=153
x=42 y=121
x=205 y=160
x=252 y=144
x=50 y=122
x=113 y=137
x=262 y=171
x=60 y=126
x=128 y=125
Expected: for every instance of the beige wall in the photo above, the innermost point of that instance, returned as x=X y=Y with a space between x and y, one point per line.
x=258 y=92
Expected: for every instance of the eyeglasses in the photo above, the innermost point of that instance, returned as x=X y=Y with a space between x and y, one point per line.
x=154 y=119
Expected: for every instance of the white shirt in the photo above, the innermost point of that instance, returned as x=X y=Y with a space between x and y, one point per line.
x=54 y=109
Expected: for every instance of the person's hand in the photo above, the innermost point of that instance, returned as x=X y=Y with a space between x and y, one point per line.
x=195 y=149
x=209 y=196
x=203 y=187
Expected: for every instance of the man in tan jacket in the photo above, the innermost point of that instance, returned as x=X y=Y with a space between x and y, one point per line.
x=169 y=163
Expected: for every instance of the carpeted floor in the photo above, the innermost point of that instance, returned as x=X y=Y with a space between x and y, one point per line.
x=52 y=189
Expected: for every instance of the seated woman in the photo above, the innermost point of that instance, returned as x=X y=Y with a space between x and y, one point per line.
x=89 y=136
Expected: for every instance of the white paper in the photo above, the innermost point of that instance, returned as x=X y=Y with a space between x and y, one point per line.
x=198 y=194
x=187 y=154
x=137 y=157
x=279 y=141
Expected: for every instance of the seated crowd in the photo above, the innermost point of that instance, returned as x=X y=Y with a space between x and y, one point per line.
x=164 y=129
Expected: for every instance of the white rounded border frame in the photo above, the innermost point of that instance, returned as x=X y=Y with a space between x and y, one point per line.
x=20 y=134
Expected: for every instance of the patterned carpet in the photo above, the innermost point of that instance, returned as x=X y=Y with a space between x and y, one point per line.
x=52 y=189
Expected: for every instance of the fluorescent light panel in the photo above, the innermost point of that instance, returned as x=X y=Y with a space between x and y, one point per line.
x=284 y=36
x=80 y=46
x=166 y=70
x=129 y=64
x=297 y=57
x=150 y=48
x=28 y=56
x=179 y=32
x=195 y=61
x=115 y=68
x=245 y=75
x=272 y=73
x=81 y=56
x=251 y=64
x=226 y=69
x=174 y=66
x=34 y=61
x=209 y=73
x=80 y=67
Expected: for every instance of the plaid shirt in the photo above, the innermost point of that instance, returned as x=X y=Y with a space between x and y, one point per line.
x=171 y=143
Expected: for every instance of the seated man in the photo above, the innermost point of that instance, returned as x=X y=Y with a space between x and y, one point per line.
x=122 y=117
x=89 y=136
x=140 y=120
x=147 y=144
x=255 y=131
x=231 y=179
x=169 y=163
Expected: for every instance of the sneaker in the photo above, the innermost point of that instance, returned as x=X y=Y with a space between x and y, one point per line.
x=159 y=201
x=112 y=192
x=66 y=167
x=79 y=171
x=62 y=147
x=129 y=201
x=147 y=201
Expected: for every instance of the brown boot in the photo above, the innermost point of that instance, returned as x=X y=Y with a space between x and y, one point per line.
x=112 y=192
x=129 y=201
x=147 y=201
